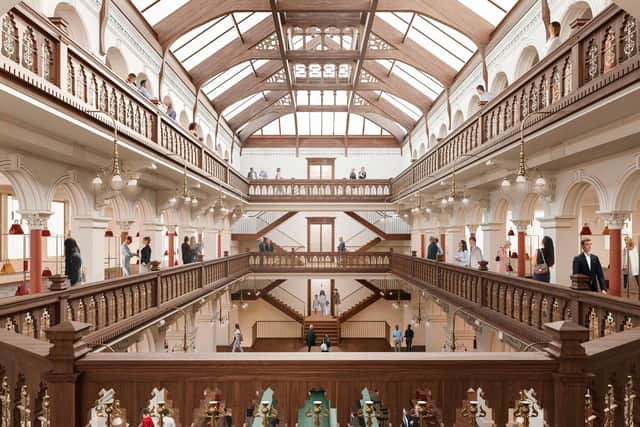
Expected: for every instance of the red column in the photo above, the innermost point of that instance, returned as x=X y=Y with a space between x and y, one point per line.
x=35 y=279
x=615 y=261
x=443 y=245
x=172 y=255
x=219 y=245
x=123 y=236
x=421 y=245
x=521 y=253
x=199 y=237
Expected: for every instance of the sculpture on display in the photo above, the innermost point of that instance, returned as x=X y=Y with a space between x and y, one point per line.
x=317 y=411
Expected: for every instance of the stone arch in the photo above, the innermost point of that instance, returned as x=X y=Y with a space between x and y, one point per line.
x=31 y=195
x=528 y=58
x=442 y=131
x=528 y=206
x=500 y=209
x=183 y=119
x=476 y=214
x=123 y=209
x=627 y=190
x=432 y=140
x=117 y=63
x=500 y=83
x=473 y=106
x=575 y=191
x=458 y=119
x=577 y=10
x=146 y=210
x=76 y=27
x=79 y=199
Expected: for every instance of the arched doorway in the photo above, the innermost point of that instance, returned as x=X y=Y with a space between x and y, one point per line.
x=528 y=58
x=77 y=29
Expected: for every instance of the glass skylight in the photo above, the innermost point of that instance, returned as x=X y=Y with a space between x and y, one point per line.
x=423 y=82
x=404 y=106
x=325 y=97
x=236 y=108
x=200 y=43
x=155 y=11
x=493 y=11
x=326 y=123
x=233 y=75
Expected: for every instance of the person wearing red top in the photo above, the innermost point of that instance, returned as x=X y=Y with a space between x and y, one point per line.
x=146 y=419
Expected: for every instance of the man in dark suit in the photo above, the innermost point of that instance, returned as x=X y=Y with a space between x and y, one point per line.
x=588 y=264
x=310 y=338
x=432 y=249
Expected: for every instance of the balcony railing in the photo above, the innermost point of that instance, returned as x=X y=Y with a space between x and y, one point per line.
x=599 y=59
x=303 y=190
x=522 y=305
x=369 y=262
x=44 y=58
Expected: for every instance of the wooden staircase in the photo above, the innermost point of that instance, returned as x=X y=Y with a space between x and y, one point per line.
x=360 y=306
x=378 y=231
x=265 y=230
x=370 y=244
x=325 y=325
x=283 y=307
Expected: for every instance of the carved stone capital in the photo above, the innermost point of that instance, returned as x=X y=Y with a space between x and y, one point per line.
x=614 y=219
x=36 y=220
x=521 y=224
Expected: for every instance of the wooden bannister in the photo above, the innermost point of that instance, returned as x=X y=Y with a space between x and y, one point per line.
x=575 y=75
x=72 y=76
x=304 y=190
x=368 y=262
x=519 y=304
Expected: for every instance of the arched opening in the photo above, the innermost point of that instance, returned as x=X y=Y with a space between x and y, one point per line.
x=423 y=148
x=474 y=105
x=576 y=15
x=458 y=119
x=442 y=131
x=77 y=29
x=115 y=60
x=432 y=140
x=528 y=58
x=183 y=119
x=500 y=83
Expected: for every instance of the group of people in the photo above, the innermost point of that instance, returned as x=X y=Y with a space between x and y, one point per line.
x=191 y=250
x=144 y=87
x=321 y=304
x=263 y=174
x=126 y=254
x=361 y=174
x=265 y=245
x=310 y=340
x=398 y=336
x=465 y=256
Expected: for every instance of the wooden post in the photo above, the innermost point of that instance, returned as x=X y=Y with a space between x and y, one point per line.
x=68 y=346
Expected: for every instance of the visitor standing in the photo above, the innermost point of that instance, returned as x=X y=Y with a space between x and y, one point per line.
x=186 y=250
x=353 y=174
x=72 y=261
x=588 y=264
x=432 y=249
x=324 y=303
x=147 y=421
x=475 y=254
x=462 y=256
x=408 y=337
x=342 y=246
x=326 y=343
x=630 y=262
x=195 y=248
x=310 y=338
x=315 y=306
x=237 y=339
x=363 y=173
x=336 y=302
x=252 y=174
x=145 y=255
x=125 y=257
x=545 y=259
x=397 y=338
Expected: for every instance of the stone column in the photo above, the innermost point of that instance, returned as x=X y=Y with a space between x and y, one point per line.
x=153 y=230
x=521 y=226
x=455 y=233
x=493 y=236
x=225 y=237
x=37 y=222
x=171 y=234
x=210 y=238
x=615 y=221
x=563 y=232
x=89 y=233
x=68 y=346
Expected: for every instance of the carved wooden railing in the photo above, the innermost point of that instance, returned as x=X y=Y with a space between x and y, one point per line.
x=523 y=305
x=599 y=59
x=364 y=329
x=320 y=261
x=273 y=190
x=40 y=55
x=114 y=306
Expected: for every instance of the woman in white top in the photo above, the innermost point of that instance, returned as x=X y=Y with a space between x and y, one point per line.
x=315 y=306
x=237 y=339
x=324 y=303
x=462 y=256
x=630 y=262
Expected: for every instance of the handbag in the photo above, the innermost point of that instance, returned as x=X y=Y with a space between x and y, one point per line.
x=541 y=268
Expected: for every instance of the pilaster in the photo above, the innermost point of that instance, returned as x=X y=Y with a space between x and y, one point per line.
x=89 y=233
x=563 y=230
x=493 y=236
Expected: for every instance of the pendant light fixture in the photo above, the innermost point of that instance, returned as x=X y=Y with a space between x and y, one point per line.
x=521 y=177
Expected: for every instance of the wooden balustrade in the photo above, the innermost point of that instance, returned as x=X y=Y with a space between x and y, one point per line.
x=39 y=55
x=364 y=329
x=347 y=190
x=602 y=57
x=112 y=305
x=524 y=304
x=365 y=262
x=277 y=329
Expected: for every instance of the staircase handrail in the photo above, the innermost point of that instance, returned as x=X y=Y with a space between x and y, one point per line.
x=297 y=300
